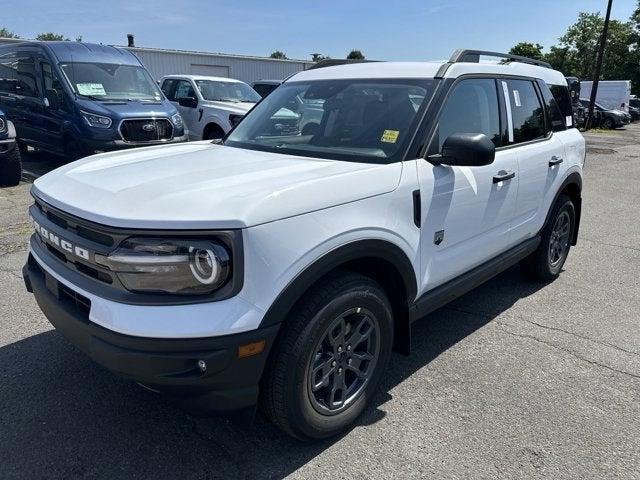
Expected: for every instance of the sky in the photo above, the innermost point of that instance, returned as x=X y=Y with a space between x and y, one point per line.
x=381 y=29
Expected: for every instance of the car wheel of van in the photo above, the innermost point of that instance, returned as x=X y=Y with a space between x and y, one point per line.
x=213 y=132
x=547 y=261
x=72 y=150
x=329 y=358
x=608 y=123
x=11 y=169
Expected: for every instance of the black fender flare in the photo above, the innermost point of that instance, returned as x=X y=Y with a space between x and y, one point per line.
x=379 y=249
x=573 y=178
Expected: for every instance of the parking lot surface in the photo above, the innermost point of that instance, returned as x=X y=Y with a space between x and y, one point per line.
x=513 y=380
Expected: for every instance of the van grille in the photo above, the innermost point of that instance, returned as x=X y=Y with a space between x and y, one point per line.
x=146 y=130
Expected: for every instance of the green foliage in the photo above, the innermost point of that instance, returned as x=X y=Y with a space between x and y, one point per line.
x=355 y=55
x=4 y=33
x=527 y=49
x=316 y=57
x=278 y=54
x=575 y=53
x=50 y=37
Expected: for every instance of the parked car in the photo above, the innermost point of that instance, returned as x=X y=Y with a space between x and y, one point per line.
x=10 y=163
x=75 y=99
x=634 y=112
x=283 y=269
x=605 y=117
x=210 y=106
x=265 y=87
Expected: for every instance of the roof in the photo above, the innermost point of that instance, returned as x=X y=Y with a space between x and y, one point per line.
x=203 y=77
x=428 y=70
x=67 y=51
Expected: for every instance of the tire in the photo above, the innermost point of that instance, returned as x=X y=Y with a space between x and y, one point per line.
x=213 y=132
x=546 y=263
x=608 y=123
x=11 y=169
x=72 y=150
x=23 y=148
x=288 y=397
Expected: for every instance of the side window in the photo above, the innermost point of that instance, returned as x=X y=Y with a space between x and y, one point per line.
x=167 y=88
x=526 y=111
x=472 y=107
x=184 y=90
x=18 y=75
x=555 y=120
x=50 y=79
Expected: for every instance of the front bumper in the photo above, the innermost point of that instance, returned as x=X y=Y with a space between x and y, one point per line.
x=93 y=145
x=170 y=366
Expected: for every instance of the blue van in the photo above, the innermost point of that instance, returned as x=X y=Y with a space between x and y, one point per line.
x=76 y=99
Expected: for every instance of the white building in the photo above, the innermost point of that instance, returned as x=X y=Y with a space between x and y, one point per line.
x=162 y=62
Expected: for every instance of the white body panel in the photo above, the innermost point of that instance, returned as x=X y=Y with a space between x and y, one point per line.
x=294 y=210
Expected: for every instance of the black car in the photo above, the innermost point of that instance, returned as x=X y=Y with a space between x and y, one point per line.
x=10 y=163
x=634 y=112
x=605 y=117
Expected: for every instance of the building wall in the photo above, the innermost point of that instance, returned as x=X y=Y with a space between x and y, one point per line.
x=247 y=69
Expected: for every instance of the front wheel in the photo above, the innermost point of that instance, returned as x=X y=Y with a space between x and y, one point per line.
x=11 y=169
x=330 y=357
x=547 y=261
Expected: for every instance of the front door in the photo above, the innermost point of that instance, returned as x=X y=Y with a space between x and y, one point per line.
x=190 y=114
x=466 y=211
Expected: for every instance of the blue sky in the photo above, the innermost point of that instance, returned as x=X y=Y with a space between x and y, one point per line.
x=385 y=30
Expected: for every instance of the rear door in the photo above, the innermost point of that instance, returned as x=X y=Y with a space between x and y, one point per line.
x=467 y=211
x=540 y=153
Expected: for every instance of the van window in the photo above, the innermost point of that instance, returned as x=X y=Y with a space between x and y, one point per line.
x=555 y=121
x=18 y=75
x=472 y=107
x=50 y=79
x=526 y=111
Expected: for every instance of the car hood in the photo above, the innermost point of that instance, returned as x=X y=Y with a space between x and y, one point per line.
x=233 y=107
x=126 y=109
x=200 y=185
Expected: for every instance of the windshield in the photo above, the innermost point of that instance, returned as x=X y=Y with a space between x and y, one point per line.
x=355 y=120
x=227 y=91
x=106 y=81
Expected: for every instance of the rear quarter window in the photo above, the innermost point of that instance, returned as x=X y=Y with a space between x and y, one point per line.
x=563 y=99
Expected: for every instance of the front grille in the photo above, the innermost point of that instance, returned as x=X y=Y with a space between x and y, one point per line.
x=80 y=302
x=146 y=130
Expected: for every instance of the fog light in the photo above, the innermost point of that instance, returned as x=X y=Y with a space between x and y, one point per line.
x=202 y=365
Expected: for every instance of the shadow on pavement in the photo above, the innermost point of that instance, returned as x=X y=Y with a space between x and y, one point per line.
x=61 y=416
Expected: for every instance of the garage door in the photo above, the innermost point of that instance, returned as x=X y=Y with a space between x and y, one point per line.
x=210 y=70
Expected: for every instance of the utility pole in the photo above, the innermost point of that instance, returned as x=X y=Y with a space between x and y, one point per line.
x=596 y=74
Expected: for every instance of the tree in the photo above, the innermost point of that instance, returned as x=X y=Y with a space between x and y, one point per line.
x=50 y=37
x=527 y=49
x=278 y=54
x=4 y=33
x=355 y=55
x=560 y=59
x=316 y=57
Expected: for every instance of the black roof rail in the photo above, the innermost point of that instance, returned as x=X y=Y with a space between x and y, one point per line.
x=332 y=62
x=473 y=56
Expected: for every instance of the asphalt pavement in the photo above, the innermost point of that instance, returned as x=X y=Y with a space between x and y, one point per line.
x=513 y=380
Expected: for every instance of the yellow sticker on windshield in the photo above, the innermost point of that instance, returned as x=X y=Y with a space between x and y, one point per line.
x=390 y=136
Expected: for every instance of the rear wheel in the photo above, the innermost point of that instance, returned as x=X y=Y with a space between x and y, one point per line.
x=547 y=261
x=212 y=132
x=11 y=169
x=608 y=123
x=329 y=358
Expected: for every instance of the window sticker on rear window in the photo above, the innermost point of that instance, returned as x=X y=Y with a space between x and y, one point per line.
x=390 y=136
x=569 y=120
x=91 y=89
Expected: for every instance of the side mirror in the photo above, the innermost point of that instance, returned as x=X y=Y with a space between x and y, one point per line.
x=466 y=150
x=188 y=102
x=53 y=98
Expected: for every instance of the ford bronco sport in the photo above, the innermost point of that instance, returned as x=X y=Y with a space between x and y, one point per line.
x=281 y=270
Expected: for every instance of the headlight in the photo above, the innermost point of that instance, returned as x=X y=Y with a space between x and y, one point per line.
x=98 y=121
x=179 y=266
x=177 y=120
x=3 y=124
x=235 y=119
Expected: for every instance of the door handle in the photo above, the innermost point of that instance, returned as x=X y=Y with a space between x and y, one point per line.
x=503 y=175
x=555 y=161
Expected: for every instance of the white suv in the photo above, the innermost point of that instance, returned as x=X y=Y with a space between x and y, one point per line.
x=210 y=106
x=282 y=270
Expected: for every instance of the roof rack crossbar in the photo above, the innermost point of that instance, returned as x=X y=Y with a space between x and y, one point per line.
x=473 y=56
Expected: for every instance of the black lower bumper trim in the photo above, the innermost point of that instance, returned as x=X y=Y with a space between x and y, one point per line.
x=171 y=366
